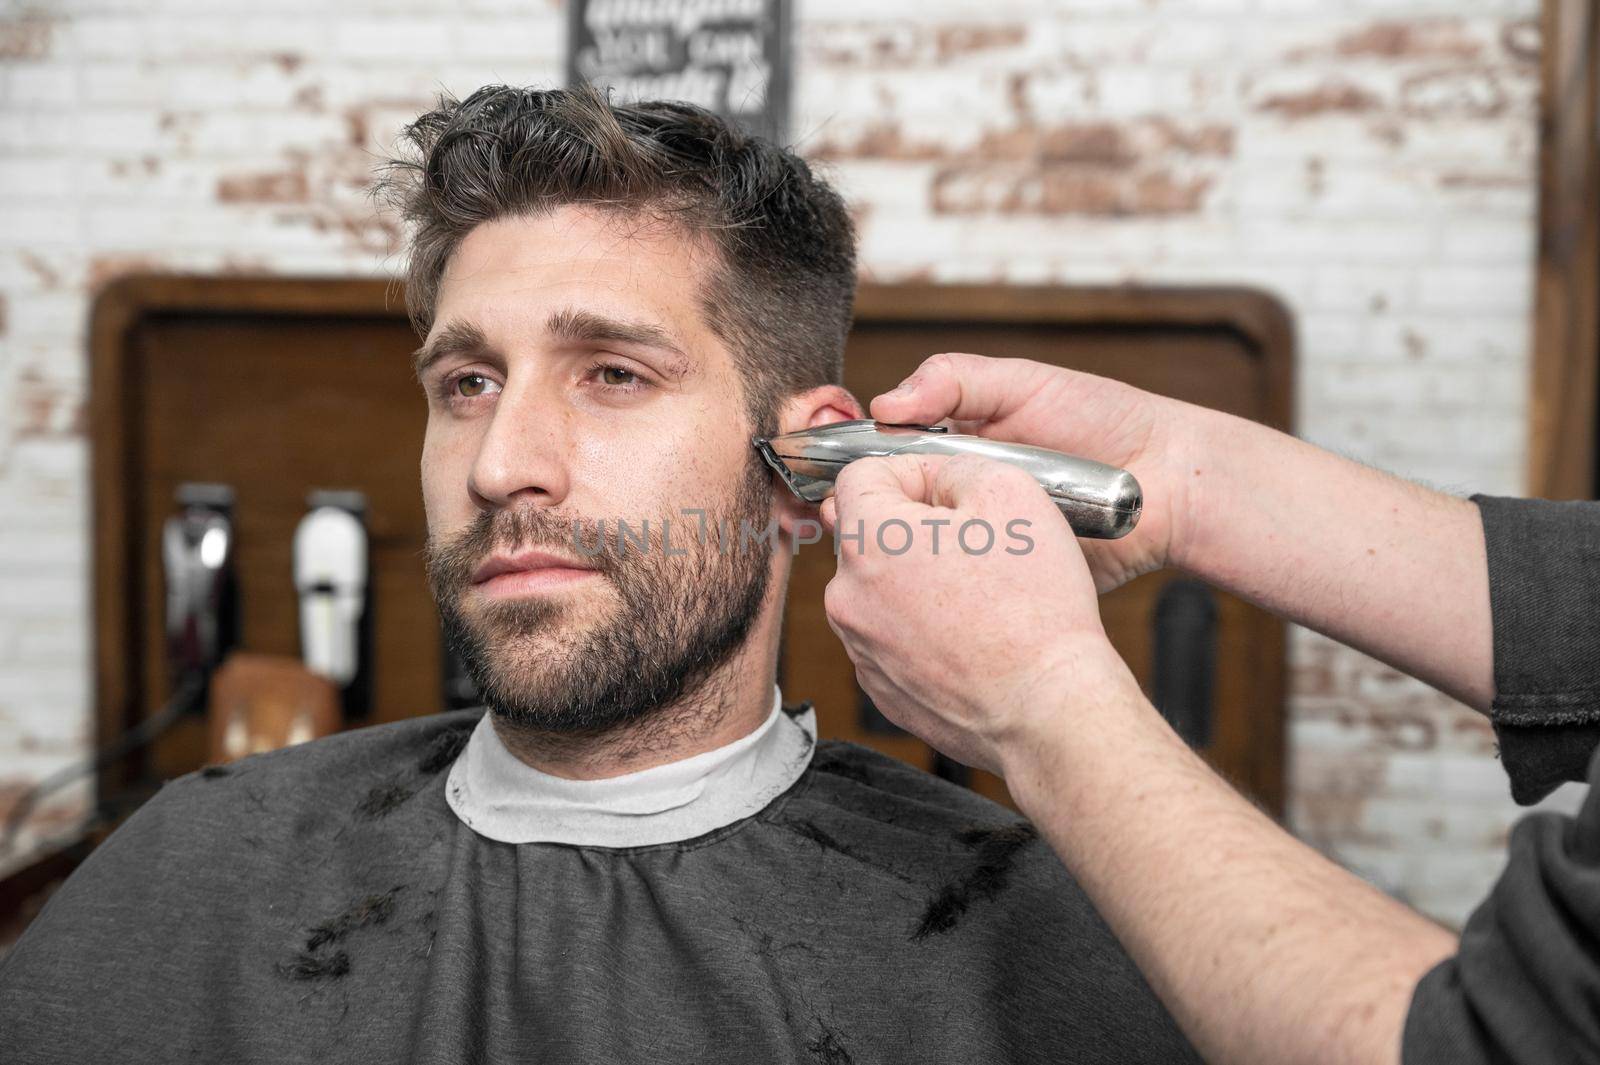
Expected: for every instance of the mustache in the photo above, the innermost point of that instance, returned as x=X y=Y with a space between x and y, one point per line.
x=452 y=564
x=514 y=530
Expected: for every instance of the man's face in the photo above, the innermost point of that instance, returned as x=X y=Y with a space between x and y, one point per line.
x=576 y=386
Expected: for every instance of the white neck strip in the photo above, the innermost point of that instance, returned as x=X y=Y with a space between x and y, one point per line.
x=498 y=795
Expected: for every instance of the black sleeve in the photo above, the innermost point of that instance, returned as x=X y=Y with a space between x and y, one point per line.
x=1544 y=593
x=1524 y=986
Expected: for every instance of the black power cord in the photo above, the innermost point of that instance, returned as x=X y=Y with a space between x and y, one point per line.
x=146 y=731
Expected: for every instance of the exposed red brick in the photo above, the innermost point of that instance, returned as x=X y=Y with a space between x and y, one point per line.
x=1070 y=143
x=330 y=187
x=978 y=189
x=1412 y=39
x=1084 y=168
x=876 y=140
x=288 y=62
x=959 y=40
x=1093 y=142
x=1332 y=97
x=1415 y=344
x=310 y=98
x=280 y=187
x=26 y=36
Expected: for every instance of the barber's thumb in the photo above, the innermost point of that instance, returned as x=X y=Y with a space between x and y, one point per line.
x=829 y=513
x=902 y=403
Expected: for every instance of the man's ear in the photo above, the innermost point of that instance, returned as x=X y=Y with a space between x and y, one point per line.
x=822 y=405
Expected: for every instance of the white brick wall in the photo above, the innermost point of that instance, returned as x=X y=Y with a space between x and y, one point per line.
x=1371 y=162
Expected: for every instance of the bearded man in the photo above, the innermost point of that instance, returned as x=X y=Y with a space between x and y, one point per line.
x=633 y=851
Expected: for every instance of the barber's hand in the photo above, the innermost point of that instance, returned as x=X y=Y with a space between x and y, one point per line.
x=1092 y=417
x=964 y=647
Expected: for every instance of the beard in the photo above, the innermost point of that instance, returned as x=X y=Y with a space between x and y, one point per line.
x=679 y=616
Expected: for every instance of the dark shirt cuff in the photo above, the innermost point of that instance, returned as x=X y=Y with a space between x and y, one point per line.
x=1544 y=593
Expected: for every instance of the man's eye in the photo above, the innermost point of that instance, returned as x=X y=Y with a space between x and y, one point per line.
x=619 y=378
x=465 y=386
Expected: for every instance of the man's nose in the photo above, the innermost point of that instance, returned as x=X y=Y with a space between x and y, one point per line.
x=523 y=457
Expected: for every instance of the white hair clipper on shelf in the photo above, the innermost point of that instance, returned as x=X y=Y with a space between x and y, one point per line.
x=331 y=575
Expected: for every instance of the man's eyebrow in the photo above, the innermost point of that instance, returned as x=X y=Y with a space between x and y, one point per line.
x=578 y=327
x=452 y=339
x=572 y=326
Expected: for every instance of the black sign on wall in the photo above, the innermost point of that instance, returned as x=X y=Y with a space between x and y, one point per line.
x=728 y=56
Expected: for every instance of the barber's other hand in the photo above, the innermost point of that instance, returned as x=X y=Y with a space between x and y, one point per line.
x=962 y=646
x=1028 y=402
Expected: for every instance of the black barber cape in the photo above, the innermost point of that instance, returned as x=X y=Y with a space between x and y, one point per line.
x=1525 y=985
x=326 y=903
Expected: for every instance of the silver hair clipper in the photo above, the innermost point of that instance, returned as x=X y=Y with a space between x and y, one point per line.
x=197 y=554
x=1099 y=501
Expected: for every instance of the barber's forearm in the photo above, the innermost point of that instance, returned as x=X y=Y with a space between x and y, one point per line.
x=1262 y=949
x=1374 y=561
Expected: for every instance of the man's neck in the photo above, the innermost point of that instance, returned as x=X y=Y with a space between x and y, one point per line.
x=731 y=703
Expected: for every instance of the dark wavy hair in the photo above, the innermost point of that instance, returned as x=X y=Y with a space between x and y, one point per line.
x=781 y=296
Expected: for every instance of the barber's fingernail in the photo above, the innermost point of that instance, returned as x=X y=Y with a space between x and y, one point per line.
x=904 y=388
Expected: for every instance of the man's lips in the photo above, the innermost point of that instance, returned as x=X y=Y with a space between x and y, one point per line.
x=526 y=562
